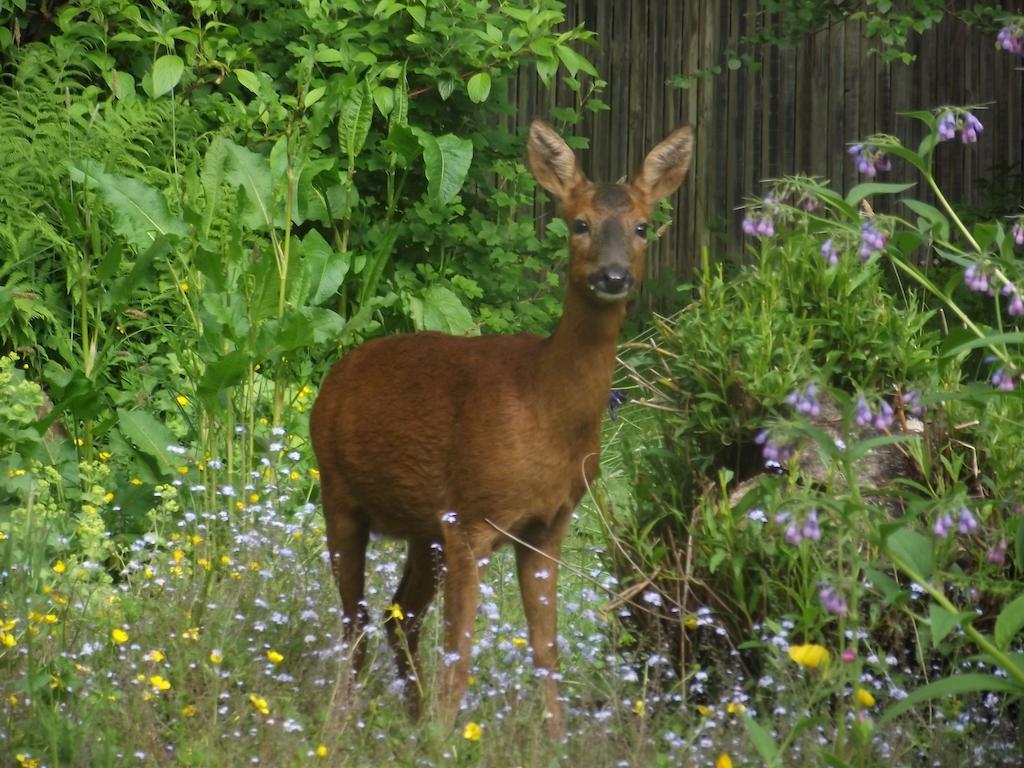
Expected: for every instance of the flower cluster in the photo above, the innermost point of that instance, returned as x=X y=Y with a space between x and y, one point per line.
x=832 y=601
x=968 y=125
x=830 y=253
x=1011 y=39
x=976 y=278
x=870 y=159
x=872 y=240
x=1017 y=231
x=806 y=402
x=864 y=417
x=1004 y=380
x=775 y=453
x=965 y=523
x=758 y=226
x=1015 y=307
x=797 y=529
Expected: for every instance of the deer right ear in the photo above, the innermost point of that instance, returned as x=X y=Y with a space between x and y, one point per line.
x=551 y=161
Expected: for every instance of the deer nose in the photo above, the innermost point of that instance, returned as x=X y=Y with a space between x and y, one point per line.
x=611 y=282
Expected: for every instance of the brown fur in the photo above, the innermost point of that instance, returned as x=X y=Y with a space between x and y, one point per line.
x=501 y=431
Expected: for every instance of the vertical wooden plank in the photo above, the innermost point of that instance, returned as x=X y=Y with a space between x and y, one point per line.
x=838 y=105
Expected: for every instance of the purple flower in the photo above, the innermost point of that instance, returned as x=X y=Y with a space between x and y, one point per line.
x=971 y=128
x=806 y=403
x=616 y=399
x=809 y=203
x=967 y=524
x=947 y=126
x=943 y=525
x=1004 y=380
x=976 y=279
x=1018 y=233
x=759 y=227
x=912 y=403
x=793 y=534
x=997 y=553
x=811 y=529
x=775 y=454
x=869 y=159
x=1016 y=306
x=829 y=253
x=884 y=418
x=1011 y=39
x=862 y=416
x=832 y=601
x=872 y=240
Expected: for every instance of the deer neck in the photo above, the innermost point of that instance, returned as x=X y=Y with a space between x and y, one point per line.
x=578 y=359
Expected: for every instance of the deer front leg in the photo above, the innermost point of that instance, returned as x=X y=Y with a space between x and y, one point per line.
x=461 y=590
x=538 y=584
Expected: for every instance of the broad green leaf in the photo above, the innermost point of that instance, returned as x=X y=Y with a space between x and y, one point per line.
x=950 y=686
x=942 y=623
x=354 y=123
x=400 y=112
x=225 y=372
x=248 y=80
x=868 y=188
x=141 y=214
x=573 y=61
x=212 y=177
x=325 y=268
x=122 y=85
x=167 y=71
x=313 y=96
x=763 y=742
x=1009 y=622
x=446 y=160
x=251 y=172
x=147 y=434
x=438 y=309
x=479 y=87
x=445 y=88
x=913 y=549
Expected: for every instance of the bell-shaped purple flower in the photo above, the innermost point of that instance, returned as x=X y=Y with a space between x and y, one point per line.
x=1018 y=233
x=971 y=128
x=884 y=418
x=947 y=126
x=1011 y=40
x=811 y=529
x=832 y=601
x=966 y=524
x=1003 y=380
x=829 y=253
x=943 y=525
x=862 y=416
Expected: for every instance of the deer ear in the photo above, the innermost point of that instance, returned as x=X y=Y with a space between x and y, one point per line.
x=665 y=166
x=552 y=162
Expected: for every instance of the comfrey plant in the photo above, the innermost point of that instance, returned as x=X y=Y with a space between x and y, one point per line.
x=937 y=515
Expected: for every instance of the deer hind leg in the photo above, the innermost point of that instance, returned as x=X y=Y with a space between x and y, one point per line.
x=415 y=592
x=538 y=585
x=347 y=537
x=461 y=592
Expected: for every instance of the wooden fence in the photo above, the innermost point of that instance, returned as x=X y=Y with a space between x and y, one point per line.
x=798 y=113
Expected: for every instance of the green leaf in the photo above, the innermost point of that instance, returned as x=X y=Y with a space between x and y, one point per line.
x=868 y=188
x=223 y=373
x=439 y=309
x=354 y=123
x=763 y=742
x=950 y=686
x=988 y=340
x=1009 y=622
x=573 y=61
x=479 y=87
x=913 y=549
x=942 y=623
x=212 y=177
x=932 y=215
x=167 y=71
x=251 y=171
x=446 y=160
x=141 y=214
x=313 y=96
x=147 y=434
x=326 y=269
x=248 y=80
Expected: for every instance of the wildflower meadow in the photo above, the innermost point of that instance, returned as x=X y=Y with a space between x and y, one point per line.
x=806 y=543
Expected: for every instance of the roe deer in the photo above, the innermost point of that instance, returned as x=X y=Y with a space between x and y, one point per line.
x=448 y=442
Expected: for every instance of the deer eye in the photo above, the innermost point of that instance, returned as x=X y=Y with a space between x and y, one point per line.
x=641 y=229
x=580 y=227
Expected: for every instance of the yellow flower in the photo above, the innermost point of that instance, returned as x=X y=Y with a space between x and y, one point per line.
x=274 y=657
x=260 y=704
x=254 y=498
x=8 y=639
x=178 y=555
x=50 y=618
x=12 y=700
x=192 y=633
x=183 y=287
x=315 y=474
x=690 y=623
x=811 y=655
x=189 y=710
x=119 y=636
x=321 y=750
x=864 y=698
x=704 y=711
x=105 y=455
x=640 y=707
x=108 y=497
x=59 y=567
x=519 y=642
x=182 y=470
x=216 y=657
x=135 y=481
x=161 y=684
x=723 y=761
x=156 y=656
x=472 y=731
x=181 y=400
x=395 y=612
x=736 y=708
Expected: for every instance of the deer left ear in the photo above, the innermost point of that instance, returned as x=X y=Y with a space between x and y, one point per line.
x=665 y=166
